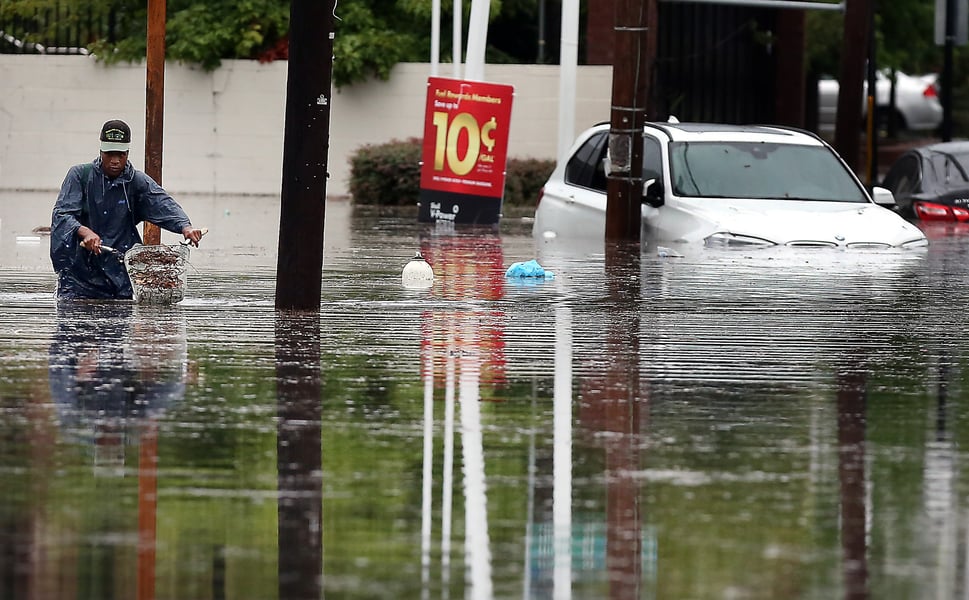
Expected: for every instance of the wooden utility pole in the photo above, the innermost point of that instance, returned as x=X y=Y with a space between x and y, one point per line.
x=155 y=103
x=151 y=234
x=306 y=142
x=847 y=138
x=635 y=50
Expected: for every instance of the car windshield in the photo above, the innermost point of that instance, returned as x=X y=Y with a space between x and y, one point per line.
x=760 y=170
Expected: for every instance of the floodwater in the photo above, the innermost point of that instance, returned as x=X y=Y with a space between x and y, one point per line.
x=725 y=425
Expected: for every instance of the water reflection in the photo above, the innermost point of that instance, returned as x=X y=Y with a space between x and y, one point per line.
x=852 y=474
x=114 y=370
x=111 y=368
x=299 y=455
x=619 y=408
x=743 y=425
x=461 y=350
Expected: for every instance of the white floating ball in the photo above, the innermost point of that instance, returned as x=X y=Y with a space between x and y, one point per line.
x=417 y=273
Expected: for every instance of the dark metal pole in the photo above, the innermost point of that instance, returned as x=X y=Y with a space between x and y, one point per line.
x=631 y=70
x=789 y=88
x=947 y=79
x=299 y=270
x=848 y=126
x=541 y=32
x=155 y=103
x=873 y=102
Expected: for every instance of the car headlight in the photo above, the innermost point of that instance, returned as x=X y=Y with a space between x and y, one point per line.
x=724 y=239
x=919 y=243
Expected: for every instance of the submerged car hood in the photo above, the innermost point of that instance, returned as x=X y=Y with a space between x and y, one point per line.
x=788 y=222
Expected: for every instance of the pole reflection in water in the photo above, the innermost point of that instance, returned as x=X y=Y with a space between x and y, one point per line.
x=620 y=406
x=447 y=484
x=462 y=366
x=467 y=350
x=477 y=544
x=299 y=455
x=852 y=406
x=941 y=494
x=426 y=476
x=562 y=456
x=447 y=474
x=114 y=369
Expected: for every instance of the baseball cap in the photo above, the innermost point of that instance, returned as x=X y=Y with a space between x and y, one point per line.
x=115 y=136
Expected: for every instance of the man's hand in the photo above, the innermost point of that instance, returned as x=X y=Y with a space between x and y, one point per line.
x=89 y=240
x=193 y=235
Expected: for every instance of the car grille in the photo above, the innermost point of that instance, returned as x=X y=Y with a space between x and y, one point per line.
x=811 y=244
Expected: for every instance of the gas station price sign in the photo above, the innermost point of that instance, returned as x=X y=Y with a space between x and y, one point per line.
x=465 y=149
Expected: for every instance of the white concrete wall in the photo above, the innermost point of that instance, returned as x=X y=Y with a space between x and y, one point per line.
x=223 y=131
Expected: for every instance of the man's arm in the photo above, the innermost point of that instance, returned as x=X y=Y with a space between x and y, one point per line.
x=155 y=205
x=66 y=219
x=68 y=207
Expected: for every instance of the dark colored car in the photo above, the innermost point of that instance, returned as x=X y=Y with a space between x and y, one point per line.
x=931 y=183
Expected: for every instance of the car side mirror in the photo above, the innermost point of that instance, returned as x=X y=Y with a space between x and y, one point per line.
x=882 y=196
x=653 y=192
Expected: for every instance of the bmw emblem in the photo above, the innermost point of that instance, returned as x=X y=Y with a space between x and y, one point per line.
x=839 y=237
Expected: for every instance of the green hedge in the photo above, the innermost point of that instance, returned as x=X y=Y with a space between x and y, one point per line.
x=389 y=174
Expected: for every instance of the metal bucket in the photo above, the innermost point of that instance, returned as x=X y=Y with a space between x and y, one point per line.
x=157 y=273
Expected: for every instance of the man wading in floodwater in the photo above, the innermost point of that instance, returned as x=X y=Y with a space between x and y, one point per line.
x=103 y=202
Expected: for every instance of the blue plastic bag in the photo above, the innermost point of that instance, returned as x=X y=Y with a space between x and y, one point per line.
x=529 y=268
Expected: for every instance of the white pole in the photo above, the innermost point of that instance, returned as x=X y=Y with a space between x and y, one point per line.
x=477 y=40
x=456 y=29
x=568 y=59
x=456 y=42
x=435 y=36
x=562 y=457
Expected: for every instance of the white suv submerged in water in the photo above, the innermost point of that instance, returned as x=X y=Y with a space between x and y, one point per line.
x=729 y=185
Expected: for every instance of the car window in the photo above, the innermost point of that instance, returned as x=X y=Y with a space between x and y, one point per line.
x=652 y=159
x=761 y=170
x=586 y=167
x=949 y=170
x=905 y=176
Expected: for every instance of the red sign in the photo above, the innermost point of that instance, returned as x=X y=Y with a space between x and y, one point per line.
x=466 y=126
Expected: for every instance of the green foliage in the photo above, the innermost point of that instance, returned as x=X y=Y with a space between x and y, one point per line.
x=906 y=31
x=370 y=37
x=386 y=174
x=389 y=174
x=205 y=33
x=201 y=33
x=825 y=34
x=524 y=177
x=905 y=40
x=368 y=43
x=904 y=34
x=52 y=23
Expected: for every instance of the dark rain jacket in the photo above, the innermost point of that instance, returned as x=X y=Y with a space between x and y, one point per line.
x=112 y=208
